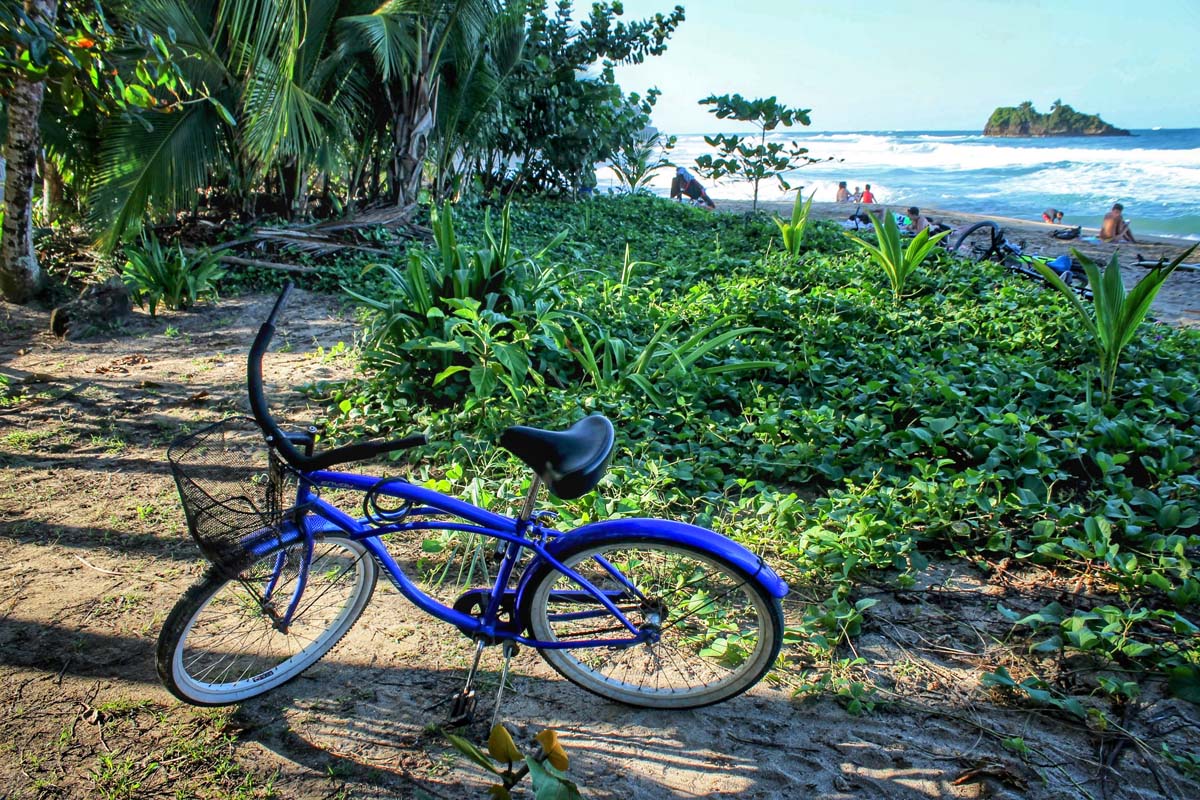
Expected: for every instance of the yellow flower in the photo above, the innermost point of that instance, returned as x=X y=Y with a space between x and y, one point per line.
x=554 y=751
x=501 y=746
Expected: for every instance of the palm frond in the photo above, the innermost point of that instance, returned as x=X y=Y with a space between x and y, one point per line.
x=161 y=157
x=386 y=37
x=281 y=118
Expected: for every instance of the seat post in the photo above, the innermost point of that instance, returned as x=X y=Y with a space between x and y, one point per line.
x=530 y=499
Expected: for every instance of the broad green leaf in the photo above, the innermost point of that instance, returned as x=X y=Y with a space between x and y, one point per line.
x=467 y=748
x=549 y=784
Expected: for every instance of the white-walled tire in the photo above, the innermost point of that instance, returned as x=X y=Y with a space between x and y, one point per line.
x=220 y=644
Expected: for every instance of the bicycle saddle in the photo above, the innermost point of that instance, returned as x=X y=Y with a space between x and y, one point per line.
x=569 y=462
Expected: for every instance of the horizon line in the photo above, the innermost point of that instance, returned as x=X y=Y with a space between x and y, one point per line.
x=976 y=131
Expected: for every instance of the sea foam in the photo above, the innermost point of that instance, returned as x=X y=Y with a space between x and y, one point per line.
x=1154 y=173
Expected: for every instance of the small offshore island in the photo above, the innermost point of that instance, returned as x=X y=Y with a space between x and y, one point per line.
x=1024 y=120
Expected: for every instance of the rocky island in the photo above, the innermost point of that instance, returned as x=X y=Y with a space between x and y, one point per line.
x=1024 y=120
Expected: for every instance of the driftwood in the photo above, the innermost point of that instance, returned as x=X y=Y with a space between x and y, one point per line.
x=253 y=262
x=309 y=240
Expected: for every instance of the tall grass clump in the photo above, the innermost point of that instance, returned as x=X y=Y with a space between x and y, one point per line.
x=898 y=262
x=169 y=275
x=793 y=230
x=1115 y=315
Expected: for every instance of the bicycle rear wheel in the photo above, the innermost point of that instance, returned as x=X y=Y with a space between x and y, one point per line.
x=222 y=643
x=719 y=631
x=980 y=242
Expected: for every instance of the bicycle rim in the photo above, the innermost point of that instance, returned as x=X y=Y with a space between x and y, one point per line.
x=720 y=632
x=978 y=242
x=230 y=648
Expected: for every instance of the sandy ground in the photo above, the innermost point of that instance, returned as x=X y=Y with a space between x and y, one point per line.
x=1178 y=302
x=93 y=554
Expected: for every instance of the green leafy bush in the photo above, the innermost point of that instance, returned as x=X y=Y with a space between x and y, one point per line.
x=455 y=309
x=169 y=275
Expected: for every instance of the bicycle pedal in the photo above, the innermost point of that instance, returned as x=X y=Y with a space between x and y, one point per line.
x=462 y=709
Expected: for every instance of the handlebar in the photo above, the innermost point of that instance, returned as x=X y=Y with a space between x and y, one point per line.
x=275 y=435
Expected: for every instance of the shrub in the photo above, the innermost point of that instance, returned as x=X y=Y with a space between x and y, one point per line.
x=793 y=230
x=176 y=278
x=476 y=311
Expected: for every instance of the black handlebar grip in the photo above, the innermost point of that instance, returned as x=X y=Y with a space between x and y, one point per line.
x=280 y=302
x=361 y=451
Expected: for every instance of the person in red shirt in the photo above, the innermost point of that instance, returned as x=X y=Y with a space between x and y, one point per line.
x=868 y=196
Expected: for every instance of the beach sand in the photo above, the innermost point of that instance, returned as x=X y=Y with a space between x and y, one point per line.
x=1177 y=303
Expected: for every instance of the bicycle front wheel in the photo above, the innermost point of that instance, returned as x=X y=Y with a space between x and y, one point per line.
x=224 y=642
x=717 y=630
x=980 y=242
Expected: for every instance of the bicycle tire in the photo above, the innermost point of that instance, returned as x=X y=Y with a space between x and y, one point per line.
x=219 y=645
x=706 y=654
x=978 y=247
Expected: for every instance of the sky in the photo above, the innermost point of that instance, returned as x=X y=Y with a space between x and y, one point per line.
x=926 y=65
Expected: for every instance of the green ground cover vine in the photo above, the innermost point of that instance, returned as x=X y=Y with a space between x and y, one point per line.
x=846 y=435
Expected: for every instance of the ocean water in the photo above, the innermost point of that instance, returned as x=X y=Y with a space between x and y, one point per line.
x=1155 y=174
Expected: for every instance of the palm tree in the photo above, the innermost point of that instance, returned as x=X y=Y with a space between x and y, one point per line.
x=168 y=157
x=21 y=277
x=410 y=42
x=472 y=80
x=288 y=89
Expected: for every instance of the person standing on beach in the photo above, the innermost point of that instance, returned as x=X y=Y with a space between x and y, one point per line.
x=1052 y=215
x=843 y=195
x=684 y=184
x=868 y=196
x=1115 y=228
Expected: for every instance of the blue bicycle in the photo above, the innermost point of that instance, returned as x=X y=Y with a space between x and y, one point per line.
x=645 y=612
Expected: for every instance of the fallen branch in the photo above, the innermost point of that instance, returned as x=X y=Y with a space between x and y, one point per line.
x=93 y=566
x=253 y=262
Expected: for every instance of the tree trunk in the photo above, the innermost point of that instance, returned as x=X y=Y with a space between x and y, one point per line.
x=52 y=191
x=20 y=275
x=412 y=123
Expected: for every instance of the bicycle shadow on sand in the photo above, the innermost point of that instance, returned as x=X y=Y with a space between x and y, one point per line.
x=377 y=729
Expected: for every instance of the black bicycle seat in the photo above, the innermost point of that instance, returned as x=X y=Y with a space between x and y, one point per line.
x=569 y=462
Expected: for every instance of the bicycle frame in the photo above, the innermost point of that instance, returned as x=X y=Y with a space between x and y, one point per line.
x=321 y=518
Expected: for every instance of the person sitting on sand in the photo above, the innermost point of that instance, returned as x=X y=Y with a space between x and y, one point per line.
x=1052 y=215
x=857 y=196
x=868 y=196
x=1115 y=228
x=685 y=184
x=843 y=195
x=916 y=222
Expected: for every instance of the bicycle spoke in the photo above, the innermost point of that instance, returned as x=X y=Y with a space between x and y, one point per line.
x=233 y=640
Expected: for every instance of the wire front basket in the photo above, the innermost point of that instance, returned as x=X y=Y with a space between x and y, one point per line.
x=234 y=491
